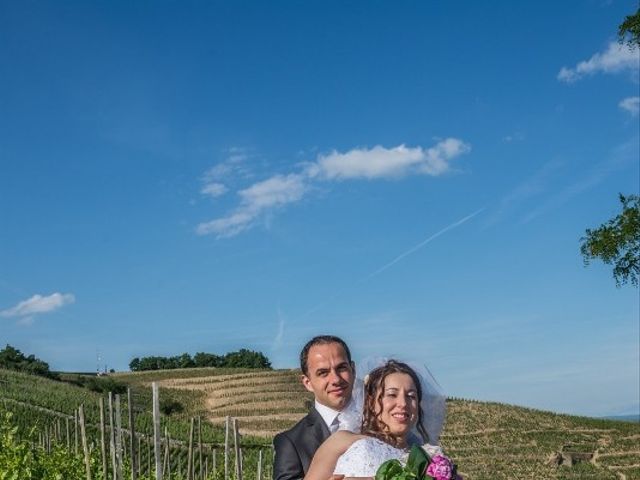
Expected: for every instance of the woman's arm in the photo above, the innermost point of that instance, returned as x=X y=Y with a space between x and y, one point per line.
x=325 y=459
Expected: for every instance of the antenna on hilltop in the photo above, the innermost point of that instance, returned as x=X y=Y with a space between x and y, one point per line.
x=98 y=359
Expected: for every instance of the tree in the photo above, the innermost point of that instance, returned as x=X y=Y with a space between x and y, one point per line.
x=245 y=358
x=185 y=361
x=13 y=359
x=630 y=27
x=617 y=242
x=202 y=359
x=134 y=365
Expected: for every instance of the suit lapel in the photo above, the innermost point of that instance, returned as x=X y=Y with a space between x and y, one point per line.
x=317 y=428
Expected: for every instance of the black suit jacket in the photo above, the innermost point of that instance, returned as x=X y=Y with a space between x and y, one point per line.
x=295 y=448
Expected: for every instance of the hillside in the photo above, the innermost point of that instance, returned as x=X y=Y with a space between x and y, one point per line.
x=487 y=440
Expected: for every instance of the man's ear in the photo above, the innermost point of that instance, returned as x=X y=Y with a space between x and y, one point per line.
x=353 y=367
x=307 y=383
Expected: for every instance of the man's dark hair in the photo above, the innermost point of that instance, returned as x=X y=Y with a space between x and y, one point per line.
x=320 y=340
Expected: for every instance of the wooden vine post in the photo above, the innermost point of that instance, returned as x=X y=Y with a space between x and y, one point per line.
x=68 y=434
x=226 y=447
x=132 y=432
x=236 y=447
x=118 y=413
x=200 y=447
x=85 y=445
x=75 y=431
x=103 y=445
x=112 y=439
x=157 y=448
x=190 y=461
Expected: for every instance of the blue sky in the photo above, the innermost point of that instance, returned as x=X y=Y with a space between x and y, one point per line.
x=414 y=176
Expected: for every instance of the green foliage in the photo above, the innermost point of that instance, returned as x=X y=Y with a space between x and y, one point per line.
x=13 y=359
x=414 y=470
x=202 y=359
x=243 y=358
x=96 y=384
x=16 y=458
x=391 y=469
x=617 y=242
x=20 y=460
x=417 y=461
x=631 y=28
x=169 y=406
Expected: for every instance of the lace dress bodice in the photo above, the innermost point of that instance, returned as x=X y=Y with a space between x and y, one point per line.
x=364 y=456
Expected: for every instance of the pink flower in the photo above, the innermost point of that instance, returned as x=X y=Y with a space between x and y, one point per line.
x=440 y=468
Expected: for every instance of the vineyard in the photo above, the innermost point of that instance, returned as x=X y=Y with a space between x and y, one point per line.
x=201 y=407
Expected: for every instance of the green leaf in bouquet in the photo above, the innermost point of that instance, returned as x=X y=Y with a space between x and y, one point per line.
x=389 y=470
x=417 y=462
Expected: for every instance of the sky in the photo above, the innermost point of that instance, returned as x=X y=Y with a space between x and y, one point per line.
x=413 y=176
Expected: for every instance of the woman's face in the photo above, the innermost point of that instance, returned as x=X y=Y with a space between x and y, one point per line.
x=399 y=404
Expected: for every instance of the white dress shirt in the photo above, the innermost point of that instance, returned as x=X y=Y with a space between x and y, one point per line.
x=330 y=416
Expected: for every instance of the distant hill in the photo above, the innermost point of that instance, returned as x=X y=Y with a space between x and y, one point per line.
x=625 y=418
x=487 y=440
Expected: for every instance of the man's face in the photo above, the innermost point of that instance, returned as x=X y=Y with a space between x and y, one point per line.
x=329 y=376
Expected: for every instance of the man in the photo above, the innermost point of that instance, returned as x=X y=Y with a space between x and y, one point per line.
x=329 y=373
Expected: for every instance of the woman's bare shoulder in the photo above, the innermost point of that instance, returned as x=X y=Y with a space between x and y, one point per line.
x=325 y=458
x=342 y=440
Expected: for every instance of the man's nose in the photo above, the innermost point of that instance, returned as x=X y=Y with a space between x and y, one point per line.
x=334 y=377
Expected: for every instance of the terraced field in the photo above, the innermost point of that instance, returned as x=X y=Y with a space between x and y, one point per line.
x=487 y=440
x=265 y=403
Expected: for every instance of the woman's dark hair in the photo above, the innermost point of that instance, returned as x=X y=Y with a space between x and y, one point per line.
x=373 y=392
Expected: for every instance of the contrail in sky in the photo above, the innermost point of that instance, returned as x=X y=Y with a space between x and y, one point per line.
x=396 y=260
x=423 y=243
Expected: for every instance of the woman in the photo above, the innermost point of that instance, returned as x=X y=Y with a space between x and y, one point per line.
x=392 y=396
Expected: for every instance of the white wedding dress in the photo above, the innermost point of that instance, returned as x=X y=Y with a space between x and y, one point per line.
x=364 y=456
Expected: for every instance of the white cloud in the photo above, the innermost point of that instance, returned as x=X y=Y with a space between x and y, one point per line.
x=37 y=305
x=276 y=191
x=360 y=163
x=233 y=165
x=615 y=59
x=217 y=172
x=214 y=189
x=380 y=162
x=631 y=105
x=226 y=226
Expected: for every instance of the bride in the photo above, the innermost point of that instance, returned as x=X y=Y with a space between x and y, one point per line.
x=393 y=399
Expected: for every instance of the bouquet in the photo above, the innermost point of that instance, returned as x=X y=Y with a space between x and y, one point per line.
x=420 y=466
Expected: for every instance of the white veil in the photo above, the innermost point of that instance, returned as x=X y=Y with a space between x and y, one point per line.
x=432 y=404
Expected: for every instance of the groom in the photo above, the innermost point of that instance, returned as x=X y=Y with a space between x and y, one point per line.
x=329 y=373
